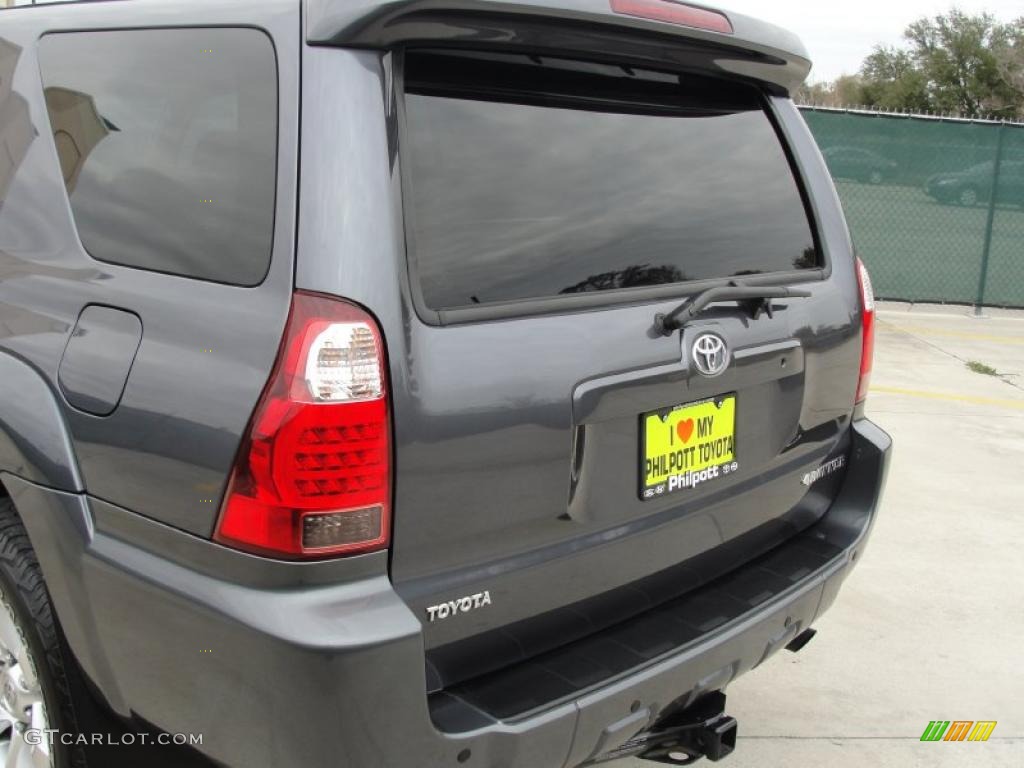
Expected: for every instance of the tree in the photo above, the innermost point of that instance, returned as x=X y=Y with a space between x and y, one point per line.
x=1009 y=53
x=956 y=53
x=890 y=80
x=953 y=62
x=844 y=91
x=848 y=89
x=818 y=94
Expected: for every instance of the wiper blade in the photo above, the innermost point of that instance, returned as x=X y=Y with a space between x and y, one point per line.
x=757 y=298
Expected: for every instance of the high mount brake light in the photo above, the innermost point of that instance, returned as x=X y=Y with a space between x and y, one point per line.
x=867 y=303
x=313 y=476
x=674 y=13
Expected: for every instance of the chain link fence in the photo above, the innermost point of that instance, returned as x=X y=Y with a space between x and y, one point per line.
x=936 y=205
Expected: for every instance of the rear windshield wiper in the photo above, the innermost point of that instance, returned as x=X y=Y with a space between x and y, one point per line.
x=756 y=298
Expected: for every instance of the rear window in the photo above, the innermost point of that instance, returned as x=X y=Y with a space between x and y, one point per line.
x=531 y=177
x=167 y=141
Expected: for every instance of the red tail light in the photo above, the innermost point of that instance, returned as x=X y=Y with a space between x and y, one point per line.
x=313 y=476
x=674 y=13
x=867 y=303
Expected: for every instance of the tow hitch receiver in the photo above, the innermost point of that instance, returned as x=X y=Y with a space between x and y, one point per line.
x=684 y=737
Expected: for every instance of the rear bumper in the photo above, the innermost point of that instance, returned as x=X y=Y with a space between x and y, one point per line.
x=332 y=674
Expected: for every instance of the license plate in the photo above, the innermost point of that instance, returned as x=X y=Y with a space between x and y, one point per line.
x=686 y=445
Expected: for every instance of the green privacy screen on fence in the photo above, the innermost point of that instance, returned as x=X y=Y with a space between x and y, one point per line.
x=921 y=197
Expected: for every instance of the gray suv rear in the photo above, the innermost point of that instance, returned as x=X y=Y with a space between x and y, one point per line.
x=429 y=382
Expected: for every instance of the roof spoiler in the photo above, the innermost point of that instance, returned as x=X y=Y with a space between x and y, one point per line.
x=589 y=28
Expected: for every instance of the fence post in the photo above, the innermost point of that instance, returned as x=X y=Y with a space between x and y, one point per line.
x=993 y=193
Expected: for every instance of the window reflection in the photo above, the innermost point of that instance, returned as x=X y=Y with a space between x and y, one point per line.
x=167 y=144
x=519 y=200
x=16 y=132
x=77 y=129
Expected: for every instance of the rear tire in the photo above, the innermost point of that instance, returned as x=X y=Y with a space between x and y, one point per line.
x=34 y=692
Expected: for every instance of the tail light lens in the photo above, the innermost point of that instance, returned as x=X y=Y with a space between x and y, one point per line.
x=313 y=476
x=867 y=303
x=674 y=13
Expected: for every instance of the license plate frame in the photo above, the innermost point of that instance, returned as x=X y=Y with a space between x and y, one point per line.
x=691 y=450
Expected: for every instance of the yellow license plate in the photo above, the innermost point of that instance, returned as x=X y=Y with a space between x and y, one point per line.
x=687 y=445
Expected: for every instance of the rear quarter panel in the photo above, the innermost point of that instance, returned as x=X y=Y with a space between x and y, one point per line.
x=206 y=348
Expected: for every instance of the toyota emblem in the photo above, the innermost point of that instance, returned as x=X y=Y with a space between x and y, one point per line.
x=710 y=354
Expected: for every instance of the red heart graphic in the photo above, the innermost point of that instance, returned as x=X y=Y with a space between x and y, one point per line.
x=684 y=429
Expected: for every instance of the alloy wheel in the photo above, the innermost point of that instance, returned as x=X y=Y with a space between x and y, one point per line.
x=968 y=197
x=21 y=699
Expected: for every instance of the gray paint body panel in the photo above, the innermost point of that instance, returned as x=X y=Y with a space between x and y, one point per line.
x=119 y=509
x=98 y=359
x=484 y=498
x=34 y=441
x=164 y=455
x=332 y=655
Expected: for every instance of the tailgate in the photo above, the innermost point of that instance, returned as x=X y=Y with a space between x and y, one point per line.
x=560 y=464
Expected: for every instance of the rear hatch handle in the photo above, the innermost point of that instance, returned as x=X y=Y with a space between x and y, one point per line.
x=756 y=299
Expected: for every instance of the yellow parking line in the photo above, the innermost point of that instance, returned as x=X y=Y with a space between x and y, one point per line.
x=975 y=399
x=922 y=331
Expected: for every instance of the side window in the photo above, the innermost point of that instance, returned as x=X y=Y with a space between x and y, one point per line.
x=167 y=141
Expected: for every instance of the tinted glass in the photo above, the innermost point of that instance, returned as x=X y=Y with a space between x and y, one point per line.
x=532 y=180
x=167 y=143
